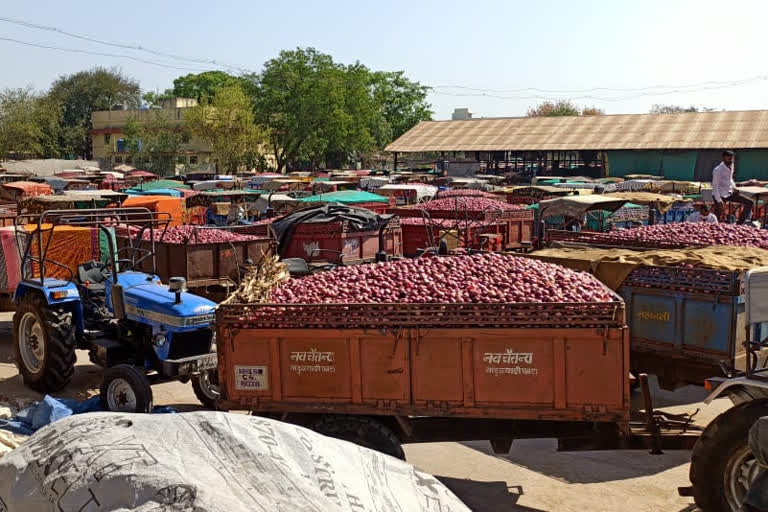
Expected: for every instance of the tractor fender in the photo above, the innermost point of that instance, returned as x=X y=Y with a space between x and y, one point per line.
x=64 y=294
x=738 y=389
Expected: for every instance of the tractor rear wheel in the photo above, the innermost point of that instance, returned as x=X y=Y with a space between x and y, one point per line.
x=44 y=344
x=360 y=430
x=206 y=388
x=126 y=389
x=722 y=464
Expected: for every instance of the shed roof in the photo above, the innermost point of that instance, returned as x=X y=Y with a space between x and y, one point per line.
x=690 y=130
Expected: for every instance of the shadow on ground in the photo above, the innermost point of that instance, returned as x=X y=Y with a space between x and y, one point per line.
x=487 y=496
x=541 y=456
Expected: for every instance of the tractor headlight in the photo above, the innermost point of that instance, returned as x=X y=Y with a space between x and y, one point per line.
x=159 y=340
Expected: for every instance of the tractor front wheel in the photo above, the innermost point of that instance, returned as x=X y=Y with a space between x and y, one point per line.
x=44 y=344
x=126 y=389
x=722 y=465
x=206 y=388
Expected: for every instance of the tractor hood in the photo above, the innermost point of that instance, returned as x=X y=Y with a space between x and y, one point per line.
x=146 y=298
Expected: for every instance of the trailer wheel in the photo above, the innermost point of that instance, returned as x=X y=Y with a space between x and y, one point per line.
x=206 y=388
x=722 y=464
x=43 y=344
x=126 y=389
x=360 y=430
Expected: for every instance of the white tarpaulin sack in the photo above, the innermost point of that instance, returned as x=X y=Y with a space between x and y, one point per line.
x=206 y=462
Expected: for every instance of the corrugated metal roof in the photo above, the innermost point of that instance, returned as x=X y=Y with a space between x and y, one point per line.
x=690 y=130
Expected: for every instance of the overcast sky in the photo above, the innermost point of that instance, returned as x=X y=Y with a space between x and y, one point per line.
x=495 y=57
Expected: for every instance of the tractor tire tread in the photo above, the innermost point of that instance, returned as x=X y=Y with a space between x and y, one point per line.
x=361 y=430
x=712 y=450
x=138 y=381
x=59 y=364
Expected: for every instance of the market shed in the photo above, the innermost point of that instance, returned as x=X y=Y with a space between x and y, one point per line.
x=684 y=146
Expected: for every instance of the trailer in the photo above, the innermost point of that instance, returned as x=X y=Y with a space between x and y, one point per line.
x=385 y=374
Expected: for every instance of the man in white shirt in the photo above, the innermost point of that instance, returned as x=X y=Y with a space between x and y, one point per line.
x=703 y=215
x=724 y=188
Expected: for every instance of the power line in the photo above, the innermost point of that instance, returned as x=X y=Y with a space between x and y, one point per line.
x=593 y=89
x=125 y=46
x=99 y=54
x=723 y=85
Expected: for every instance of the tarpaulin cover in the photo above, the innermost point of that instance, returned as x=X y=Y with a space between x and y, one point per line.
x=28 y=188
x=358 y=219
x=151 y=185
x=660 y=201
x=69 y=245
x=171 y=205
x=10 y=269
x=612 y=266
x=207 y=461
x=346 y=197
x=577 y=206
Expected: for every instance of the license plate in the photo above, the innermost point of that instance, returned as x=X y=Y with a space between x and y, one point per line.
x=206 y=362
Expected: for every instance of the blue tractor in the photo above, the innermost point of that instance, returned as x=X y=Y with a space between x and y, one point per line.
x=140 y=330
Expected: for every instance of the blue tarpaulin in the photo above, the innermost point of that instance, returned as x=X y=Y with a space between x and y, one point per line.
x=51 y=409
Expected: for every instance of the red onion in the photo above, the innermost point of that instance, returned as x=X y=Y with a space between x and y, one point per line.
x=682 y=235
x=479 y=278
x=186 y=234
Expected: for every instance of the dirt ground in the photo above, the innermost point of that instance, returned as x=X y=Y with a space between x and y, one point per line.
x=532 y=477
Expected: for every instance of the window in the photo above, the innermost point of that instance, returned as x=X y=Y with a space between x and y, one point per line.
x=107 y=139
x=118 y=159
x=193 y=159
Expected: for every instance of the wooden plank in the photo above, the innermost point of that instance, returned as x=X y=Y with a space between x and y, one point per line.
x=558 y=352
x=356 y=373
x=468 y=372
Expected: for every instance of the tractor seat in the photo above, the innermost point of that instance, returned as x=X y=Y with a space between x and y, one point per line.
x=92 y=272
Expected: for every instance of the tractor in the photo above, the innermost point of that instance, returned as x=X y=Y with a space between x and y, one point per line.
x=139 y=329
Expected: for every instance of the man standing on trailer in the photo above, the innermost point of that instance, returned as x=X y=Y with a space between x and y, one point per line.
x=724 y=188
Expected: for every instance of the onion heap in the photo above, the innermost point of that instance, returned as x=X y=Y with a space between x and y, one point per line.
x=466 y=192
x=186 y=234
x=479 y=278
x=684 y=234
x=472 y=204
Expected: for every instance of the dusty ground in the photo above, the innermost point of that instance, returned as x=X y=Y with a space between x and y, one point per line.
x=533 y=477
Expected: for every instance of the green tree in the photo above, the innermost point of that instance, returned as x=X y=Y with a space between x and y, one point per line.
x=320 y=112
x=676 y=109
x=201 y=86
x=403 y=102
x=155 y=144
x=80 y=94
x=227 y=124
x=562 y=108
x=29 y=124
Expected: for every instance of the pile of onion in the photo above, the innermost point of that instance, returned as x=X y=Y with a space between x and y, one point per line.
x=479 y=278
x=684 y=234
x=195 y=235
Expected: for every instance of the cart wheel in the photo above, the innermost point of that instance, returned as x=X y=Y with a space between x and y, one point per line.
x=360 y=430
x=206 y=387
x=126 y=389
x=722 y=464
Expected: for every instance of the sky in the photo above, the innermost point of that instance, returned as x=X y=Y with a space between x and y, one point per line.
x=496 y=57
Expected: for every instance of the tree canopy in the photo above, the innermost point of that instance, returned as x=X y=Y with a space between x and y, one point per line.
x=29 y=124
x=202 y=86
x=676 y=109
x=155 y=144
x=227 y=124
x=562 y=108
x=319 y=112
x=80 y=94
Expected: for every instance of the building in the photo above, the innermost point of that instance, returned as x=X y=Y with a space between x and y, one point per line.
x=108 y=125
x=683 y=146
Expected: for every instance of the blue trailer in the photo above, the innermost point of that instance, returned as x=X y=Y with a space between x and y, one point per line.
x=686 y=324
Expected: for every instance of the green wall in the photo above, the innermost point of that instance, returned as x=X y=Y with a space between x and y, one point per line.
x=681 y=164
